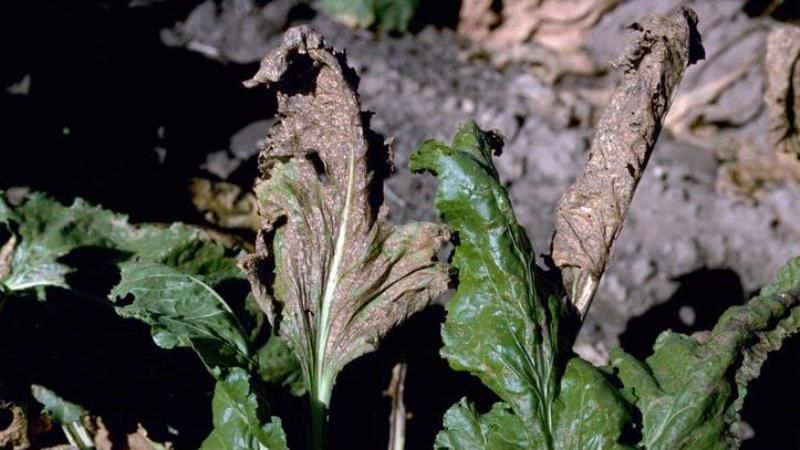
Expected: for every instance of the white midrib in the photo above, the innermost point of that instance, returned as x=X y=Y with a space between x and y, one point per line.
x=323 y=386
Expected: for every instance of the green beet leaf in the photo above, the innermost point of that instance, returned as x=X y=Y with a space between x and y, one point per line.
x=240 y=419
x=184 y=311
x=386 y=15
x=47 y=231
x=504 y=328
x=690 y=392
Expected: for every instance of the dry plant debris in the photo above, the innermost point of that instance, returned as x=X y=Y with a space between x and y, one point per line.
x=546 y=33
x=591 y=212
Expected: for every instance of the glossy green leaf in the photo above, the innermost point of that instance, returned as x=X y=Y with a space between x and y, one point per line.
x=466 y=429
x=503 y=327
x=240 y=419
x=47 y=231
x=386 y=15
x=685 y=390
x=183 y=311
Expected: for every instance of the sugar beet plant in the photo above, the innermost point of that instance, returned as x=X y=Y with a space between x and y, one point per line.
x=332 y=276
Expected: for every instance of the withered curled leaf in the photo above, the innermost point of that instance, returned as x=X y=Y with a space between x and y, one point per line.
x=342 y=275
x=782 y=95
x=591 y=212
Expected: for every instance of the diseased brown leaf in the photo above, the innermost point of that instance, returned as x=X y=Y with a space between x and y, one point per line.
x=343 y=276
x=225 y=204
x=15 y=435
x=549 y=34
x=782 y=95
x=591 y=212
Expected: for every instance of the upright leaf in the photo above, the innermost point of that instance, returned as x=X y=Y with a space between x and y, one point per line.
x=690 y=392
x=343 y=276
x=502 y=327
x=240 y=419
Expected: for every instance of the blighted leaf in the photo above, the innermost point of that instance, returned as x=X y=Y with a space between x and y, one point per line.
x=591 y=212
x=278 y=364
x=782 y=95
x=183 y=311
x=240 y=420
x=502 y=326
x=386 y=15
x=689 y=392
x=342 y=276
x=47 y=231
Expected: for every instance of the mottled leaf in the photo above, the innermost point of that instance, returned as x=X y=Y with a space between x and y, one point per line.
x=501 y=327
x=183 y=311
x=47 y=231
x=690 y=392
x=343 y=276
x=240 y=420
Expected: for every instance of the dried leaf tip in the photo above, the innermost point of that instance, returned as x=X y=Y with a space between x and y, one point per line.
x=590 y=214
x=331 y=273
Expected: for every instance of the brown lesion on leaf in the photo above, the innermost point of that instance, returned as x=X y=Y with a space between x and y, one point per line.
x=329 y=271
x=590 y=214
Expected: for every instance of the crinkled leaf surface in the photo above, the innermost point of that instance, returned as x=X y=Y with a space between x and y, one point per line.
x=387 y=15
x=684 y=390
x=343 y=276
x=47 y=231
x=183 y=311
x=501 y=328
x=240 y=420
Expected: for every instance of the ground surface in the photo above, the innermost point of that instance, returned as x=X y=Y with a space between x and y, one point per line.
x=124 y=110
